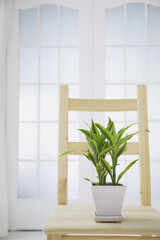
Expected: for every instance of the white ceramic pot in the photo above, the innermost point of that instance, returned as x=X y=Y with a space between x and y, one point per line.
x=108 y=199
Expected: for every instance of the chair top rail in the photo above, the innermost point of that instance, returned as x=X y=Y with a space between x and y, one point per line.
x=102 y=105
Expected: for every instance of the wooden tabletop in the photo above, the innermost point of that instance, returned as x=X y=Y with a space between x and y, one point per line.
x=73 y=219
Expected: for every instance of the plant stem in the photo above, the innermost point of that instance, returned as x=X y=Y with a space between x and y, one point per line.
x=113 y=167
x=114 y=175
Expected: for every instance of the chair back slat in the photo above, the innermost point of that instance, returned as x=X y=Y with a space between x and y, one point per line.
x=102 y=105
x=140 y=148
x=78 y=148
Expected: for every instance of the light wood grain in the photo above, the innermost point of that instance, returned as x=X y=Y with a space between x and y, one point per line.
x=145 y=186
x=54 y=237
x=63 y=139
x=141 y=220
x=100 y=237
x=100 y=105
x=79 y=148
x=71 y=237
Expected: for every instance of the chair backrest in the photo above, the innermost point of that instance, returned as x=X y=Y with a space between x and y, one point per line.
x=140 y=148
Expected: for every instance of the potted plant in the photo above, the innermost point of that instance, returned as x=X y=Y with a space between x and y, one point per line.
x=108 y=197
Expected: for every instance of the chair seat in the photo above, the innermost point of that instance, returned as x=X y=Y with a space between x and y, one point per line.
x=72 y=219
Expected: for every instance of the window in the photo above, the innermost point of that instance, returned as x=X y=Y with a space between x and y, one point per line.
x=49 y=56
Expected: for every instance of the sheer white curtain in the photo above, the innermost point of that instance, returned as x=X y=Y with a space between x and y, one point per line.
x=6 y=9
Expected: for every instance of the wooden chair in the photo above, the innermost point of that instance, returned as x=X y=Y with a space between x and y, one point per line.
x=76 y=222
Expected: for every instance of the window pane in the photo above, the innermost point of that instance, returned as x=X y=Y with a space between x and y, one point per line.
x=48 y=180
x=153 y=101
x=114 y=64
x=135 y=66
x=133 y=186
x=28 y=103
x=115 y=92
x=153 y=64
x=27 y=141
x=49 y=24
x=48 y=141
x=69 y=26
x=73 y=116
x=115 y=25
x=73 y=177
x=73 y=132
x=73 y=93
x=135 y=23
x=49 y=65
x=69 y=65
x=153 y=24
x=155 y=166
x=48 y=103
x=28 y=65
x=154 y=129
x=73 y=157
x=28 y=26
x=131 y=92
x=27 y=180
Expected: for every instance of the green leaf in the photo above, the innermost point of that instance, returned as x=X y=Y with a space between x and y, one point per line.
x=66 y=153
x=103 y=172
x=128 y=137
x=94 y=129
x=103 y=176
x=121 y=132
x=104 y=179
x=105 y=151
x=99 y=169
x=91 y=157
x=126 y=169
x=107 y=166
x=101 y=140
x=113 y=130
x=85 y=132
x=94 y=132
x=121 y=150
x=93 y=146
x=105 y=132
x=87 y=179
x=147 y=130
x=109 y=125
x=94 y=137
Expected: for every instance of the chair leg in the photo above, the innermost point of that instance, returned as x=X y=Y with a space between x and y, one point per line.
x=54 y=237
